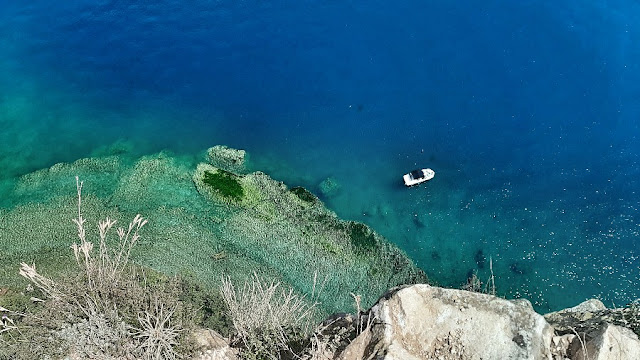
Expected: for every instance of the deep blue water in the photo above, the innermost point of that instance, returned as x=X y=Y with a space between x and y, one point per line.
x=527 y=111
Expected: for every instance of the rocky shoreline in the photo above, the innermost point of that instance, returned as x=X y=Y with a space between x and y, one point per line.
x=431 y=323
x=211 y=217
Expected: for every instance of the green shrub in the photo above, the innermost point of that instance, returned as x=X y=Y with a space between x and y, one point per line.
x=224 y=183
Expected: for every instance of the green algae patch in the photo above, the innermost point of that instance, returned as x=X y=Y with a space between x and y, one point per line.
x=361 y=236
x=218 y=185
x=304 y=194
x=224 y=183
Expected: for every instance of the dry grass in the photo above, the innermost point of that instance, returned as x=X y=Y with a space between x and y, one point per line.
x=157 y=334
x=7 y=324
x=98 y=306
x=104 y=271
x=474 y=283
x=268 y=319
x=583 y=346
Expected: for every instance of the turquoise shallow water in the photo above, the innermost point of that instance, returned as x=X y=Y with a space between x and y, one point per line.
x=527 y=113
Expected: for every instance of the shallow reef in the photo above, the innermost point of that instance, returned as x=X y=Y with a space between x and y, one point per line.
x=205 y=223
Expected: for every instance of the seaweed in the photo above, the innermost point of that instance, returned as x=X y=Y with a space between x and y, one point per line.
x=224 y=183
x=329 y=247
x=435 y=256
x=480 y=259
x=304 y=194
x=517 y=268
x=361 y=236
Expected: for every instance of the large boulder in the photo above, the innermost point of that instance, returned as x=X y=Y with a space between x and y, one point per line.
x=611 y=342
x=584 y=317
x=425 y=322
x=591 y=331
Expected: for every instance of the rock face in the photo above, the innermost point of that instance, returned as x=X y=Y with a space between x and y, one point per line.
x=611 y=342
x=425 y=322
x=604 y=333
x=580 y=318
x=212 y=346
x=592 y=315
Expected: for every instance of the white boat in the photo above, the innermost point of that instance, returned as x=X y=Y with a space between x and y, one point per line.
x=418 y=177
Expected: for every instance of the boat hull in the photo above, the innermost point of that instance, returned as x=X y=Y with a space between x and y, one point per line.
x=409 y=181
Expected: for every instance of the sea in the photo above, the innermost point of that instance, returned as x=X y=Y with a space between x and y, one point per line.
x=528 y=112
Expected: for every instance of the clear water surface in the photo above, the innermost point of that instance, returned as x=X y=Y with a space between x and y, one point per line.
x=527 y=111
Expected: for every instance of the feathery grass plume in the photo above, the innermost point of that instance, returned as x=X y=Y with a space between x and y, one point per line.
x=95 y=304
x=268 y=319
x=48 y=286
x=106 y=270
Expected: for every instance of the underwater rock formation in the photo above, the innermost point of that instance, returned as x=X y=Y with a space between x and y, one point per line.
x=234 y=225
x=329 y=187
x=226 y=158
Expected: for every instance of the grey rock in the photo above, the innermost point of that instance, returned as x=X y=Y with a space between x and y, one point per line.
x=561 y=346
x=425 y=322
x=565 y=319
x=591 y=305
x=612 y=342
x=592 y=316
x=212 y=346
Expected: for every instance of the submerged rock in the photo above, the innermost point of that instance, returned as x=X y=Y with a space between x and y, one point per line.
x=425 y=322
x=329 y=187
x=226 y=158
x=204 y=226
